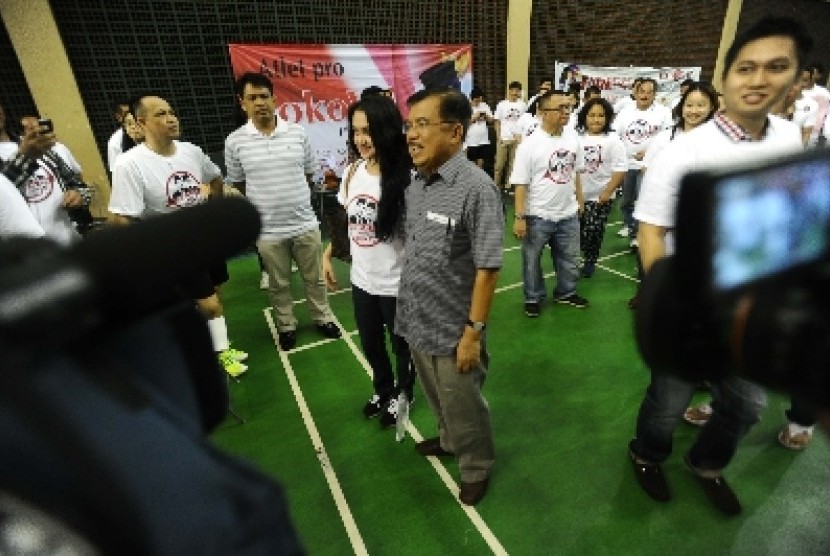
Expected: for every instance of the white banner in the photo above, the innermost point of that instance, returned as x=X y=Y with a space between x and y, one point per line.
x=615 y=82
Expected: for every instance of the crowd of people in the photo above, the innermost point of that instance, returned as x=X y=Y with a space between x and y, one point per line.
x=425 y=199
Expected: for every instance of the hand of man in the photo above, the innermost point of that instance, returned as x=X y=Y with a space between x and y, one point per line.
x=520 y=228
x=72 y=199
x=467 y=353
x=34 y=143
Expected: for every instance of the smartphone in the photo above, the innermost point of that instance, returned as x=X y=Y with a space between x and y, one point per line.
x=45 y=125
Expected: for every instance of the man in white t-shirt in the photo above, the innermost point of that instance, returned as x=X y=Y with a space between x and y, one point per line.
x=15 y=218
x=548 y=202
x=271 y=162
x=164 y=175
x=55 y=187
x=120 y=109
x=816 y=90
x=805 y=108
x=637 y=126
x=760 y=67
x=506 y=123
x=627 y=101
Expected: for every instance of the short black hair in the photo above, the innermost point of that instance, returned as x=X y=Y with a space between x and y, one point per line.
x=646 y=80
x=816 y=66
x=371 y=91
x=454 y=106
x=771 y=27
x=686 y=82
x=514 y=85
x=553 y=92
x=476 y=93
x=582 y=117
x=255 y=80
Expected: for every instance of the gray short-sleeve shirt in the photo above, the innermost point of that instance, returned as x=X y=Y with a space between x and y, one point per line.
x=454 y=226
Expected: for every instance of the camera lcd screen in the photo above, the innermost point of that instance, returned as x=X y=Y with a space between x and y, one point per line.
x=769 y=221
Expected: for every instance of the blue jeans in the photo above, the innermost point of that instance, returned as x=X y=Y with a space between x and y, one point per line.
x=736 y=405
x=630 y=192
x=563 y=238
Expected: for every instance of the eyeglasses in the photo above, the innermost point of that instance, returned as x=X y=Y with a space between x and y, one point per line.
x=560 y=109
x=421 y=124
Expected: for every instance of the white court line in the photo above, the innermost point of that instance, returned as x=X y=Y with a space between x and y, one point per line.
x=328 y=471
x=471 y=512
x=331 y=478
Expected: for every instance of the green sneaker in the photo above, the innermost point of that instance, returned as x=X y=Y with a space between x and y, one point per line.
x=233 y=367
x=236 y=354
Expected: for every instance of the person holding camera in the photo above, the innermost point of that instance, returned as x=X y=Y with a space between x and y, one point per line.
x=759 y=69
x=54 y=188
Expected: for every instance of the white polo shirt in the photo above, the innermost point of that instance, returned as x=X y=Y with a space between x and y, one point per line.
x=637 y=127
x=602 y=155
x=274 y=169
x=376 y=265
x=805 y=112
x=114 y=147
x=548 y=165
x=706 y=147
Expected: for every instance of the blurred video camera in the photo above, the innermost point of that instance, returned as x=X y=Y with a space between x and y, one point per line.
x=747 y=289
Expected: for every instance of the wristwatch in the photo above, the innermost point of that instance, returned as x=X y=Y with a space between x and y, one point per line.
x=519 y=216
x=478 y=326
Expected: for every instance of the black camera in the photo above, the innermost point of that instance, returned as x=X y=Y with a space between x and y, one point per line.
x=747 y=289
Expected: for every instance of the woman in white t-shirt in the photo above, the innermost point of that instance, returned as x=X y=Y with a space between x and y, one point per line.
x=373 y=194
x=696 y=106
x=605 y=164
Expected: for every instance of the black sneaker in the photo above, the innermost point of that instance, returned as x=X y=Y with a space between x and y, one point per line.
x=532 y=310
x=288 y=340
x=573 y=300
x=373 y=407
x=329 y=330
x=390 y=413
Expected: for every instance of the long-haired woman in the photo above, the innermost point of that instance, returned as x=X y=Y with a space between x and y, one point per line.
x=372 y=191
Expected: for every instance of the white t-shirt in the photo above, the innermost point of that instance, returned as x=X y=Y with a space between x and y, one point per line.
x=528 y=123
x=477 y=134
x=624 y=103
x=637 y=127
x=44 y=196
x=805 y=112
x=15 y=217
x=376 y=265
x=146 y=184
x=822 y=96
x=704 y=148
x=602 y=155
x=548 y=166
x=658 y=142
x=114 y=147
x=508 y=114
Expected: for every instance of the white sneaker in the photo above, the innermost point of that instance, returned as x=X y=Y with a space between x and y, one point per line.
x=623 y=232
x=263 y=281
x=795 y=437
x=634 y=244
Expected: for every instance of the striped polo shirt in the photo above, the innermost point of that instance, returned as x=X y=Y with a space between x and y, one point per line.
x=274 y=169
x=454 y=226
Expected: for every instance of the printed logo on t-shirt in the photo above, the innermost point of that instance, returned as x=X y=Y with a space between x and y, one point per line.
x=639 y=131
x=363 y=216
x=531 y=128
x=593 y=158
x=40 y=185
x=561 y=166
x=513 y=114
x=183 y=190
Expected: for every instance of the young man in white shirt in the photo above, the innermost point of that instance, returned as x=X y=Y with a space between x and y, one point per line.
x=760 y=68
x=548 y=202
x=637 y=126
x=120 y=110
x=506 y=123
x=271 y=162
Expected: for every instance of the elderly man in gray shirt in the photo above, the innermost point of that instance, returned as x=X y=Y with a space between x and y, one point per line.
x=454 y=234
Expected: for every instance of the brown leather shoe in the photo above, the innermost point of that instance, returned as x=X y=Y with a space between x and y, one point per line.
x=431 y=447
x=472 y=493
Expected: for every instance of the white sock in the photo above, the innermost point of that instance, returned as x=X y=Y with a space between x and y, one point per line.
x=218 y=334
